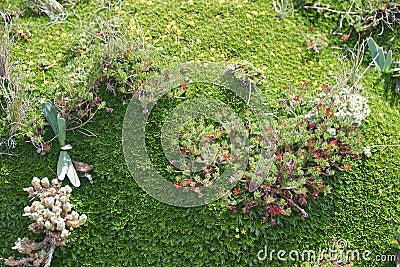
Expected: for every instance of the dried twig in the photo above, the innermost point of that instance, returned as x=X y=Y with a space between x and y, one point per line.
x=52 y=8
x=5 y=48
x=365 y=17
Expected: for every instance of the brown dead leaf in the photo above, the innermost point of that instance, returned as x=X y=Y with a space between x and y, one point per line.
x=82 y=167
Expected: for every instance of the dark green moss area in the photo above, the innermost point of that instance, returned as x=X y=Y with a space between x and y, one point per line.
x=127 y=227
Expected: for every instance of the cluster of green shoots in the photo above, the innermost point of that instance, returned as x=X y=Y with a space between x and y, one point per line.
x=384 y=64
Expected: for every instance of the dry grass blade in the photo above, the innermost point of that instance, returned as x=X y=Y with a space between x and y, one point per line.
x=53 y=9
x=14 y=98
x=17 y=103
x=5 y=49
x=373 y=14
x=350 y=72
x=282 y=7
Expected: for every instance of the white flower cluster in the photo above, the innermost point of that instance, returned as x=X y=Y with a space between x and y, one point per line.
x=350 y=107
x=53 y=211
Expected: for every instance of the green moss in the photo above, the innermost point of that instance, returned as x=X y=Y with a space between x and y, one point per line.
x=126 y=227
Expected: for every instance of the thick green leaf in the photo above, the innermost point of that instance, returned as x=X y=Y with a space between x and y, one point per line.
x=51 y=115
x=62 y=131
x=62 y=166
x=388 y=62
x=66 y=167
x=381 y=59
x=372 y=48
x=72 y=175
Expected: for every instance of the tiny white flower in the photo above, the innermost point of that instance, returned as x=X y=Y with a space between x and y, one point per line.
x=48 y=225
x=331 y=131
x=367 y=151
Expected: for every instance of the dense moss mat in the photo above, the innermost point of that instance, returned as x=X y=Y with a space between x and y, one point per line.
x=126 y=227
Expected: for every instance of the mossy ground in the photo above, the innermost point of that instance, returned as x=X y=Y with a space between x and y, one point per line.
x=127 y=227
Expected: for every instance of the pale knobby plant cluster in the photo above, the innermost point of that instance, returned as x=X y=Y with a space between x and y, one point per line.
x=52 y=214
x=351 y=107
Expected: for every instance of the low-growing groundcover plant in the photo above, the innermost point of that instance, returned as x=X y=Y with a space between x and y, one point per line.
x=315 y=136
x=310 y=147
